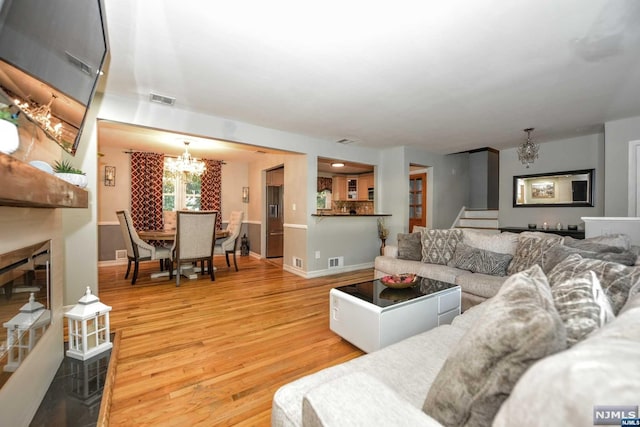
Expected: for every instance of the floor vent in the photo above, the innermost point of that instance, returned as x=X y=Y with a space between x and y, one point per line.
x=336 y=262
x=121 y=254
x=297 y=262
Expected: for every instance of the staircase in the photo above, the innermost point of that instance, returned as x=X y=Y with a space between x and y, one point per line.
x=481 y=219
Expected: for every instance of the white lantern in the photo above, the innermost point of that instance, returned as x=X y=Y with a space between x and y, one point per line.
x=88 y=325
x=24 y=330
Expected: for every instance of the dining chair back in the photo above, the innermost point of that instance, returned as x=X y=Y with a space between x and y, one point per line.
x=195 y=239
x=228 y=244
x=137 y=249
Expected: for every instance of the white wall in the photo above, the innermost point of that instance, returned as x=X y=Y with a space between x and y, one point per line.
x=618 y=134
x=585 y=152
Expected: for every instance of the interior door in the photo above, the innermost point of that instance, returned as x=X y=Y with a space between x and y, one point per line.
x=417 y=200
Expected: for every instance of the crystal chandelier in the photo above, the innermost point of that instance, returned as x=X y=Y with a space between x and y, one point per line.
x=42 y=115
x=528 y=151
x=186 y=164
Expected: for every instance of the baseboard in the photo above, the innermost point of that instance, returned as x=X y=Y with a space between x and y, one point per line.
x=109 y=262
x=328 y=271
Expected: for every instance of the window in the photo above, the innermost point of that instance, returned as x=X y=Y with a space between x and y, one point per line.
x=180 y=191
x=323 y=199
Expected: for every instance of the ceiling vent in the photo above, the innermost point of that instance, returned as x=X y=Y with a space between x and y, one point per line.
x=161 y=99
x=345 y=141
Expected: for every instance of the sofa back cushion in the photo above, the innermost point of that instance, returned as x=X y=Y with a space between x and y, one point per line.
x=410 y=246
x=438 y=246
x=517 y=327
x=554 y=255
x=503 y=243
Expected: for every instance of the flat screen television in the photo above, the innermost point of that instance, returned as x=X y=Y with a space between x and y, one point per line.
x=51 y=56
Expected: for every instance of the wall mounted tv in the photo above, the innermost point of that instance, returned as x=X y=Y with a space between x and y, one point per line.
x=51 y=56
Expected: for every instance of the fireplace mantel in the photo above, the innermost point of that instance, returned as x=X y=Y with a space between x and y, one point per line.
x=22 y=185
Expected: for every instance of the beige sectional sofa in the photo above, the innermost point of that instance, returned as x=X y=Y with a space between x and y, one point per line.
x=547 y=347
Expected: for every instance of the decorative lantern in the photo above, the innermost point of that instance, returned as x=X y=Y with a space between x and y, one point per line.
x=24 y=330
x=244 y=245
x=88 y=325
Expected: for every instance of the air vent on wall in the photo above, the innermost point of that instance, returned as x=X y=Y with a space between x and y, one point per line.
x=83 y=66
x=161 y=99
x=336 y=262
x=297 y=262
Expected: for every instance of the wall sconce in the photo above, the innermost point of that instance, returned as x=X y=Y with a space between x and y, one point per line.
x=245 y=194
x=110 y=176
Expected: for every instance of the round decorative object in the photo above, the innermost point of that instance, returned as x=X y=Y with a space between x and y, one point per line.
x=74 y=178
x=9 y=138
x=399 y=281
x=43 y=166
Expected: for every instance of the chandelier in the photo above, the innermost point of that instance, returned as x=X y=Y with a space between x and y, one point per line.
x=186 y=164
x=42 y=115
x=528 y=151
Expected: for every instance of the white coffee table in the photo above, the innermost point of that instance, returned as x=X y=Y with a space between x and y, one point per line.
x=371 y=316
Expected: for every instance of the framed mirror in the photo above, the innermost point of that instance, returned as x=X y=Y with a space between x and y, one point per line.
x=555 y=189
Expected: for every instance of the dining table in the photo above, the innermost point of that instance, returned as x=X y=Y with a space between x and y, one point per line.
x=187 y=270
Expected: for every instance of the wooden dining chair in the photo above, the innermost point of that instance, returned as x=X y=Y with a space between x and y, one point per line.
x=137 y=249
x=195 y=239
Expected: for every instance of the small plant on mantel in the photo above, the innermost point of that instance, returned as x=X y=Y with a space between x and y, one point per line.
x=65 y=166
x=6 y=114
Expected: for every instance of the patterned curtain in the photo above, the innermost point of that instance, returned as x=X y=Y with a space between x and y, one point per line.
x=210 y=192
x=146 y=190
x=324 y=184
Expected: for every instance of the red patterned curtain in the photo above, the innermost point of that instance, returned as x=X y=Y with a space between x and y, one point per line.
x=210 y=192
x=146 y=190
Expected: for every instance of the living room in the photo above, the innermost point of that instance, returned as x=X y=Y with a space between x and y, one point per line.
x=599 y=139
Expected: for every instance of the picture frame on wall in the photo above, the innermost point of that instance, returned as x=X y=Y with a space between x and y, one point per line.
x=543 y=190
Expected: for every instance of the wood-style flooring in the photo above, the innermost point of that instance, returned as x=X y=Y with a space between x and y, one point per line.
x=214 y=353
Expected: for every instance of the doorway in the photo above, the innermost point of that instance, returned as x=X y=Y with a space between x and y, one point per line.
x=417 y=200
x=274 y=232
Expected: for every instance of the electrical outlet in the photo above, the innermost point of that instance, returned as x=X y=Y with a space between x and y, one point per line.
x=317 y=254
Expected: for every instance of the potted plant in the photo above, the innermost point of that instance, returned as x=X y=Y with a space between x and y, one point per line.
x=65 y=171
x=9 y=138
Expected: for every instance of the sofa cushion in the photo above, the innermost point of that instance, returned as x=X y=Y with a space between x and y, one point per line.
x=600 y=243
x=582 y=305
x=616 y=279
x=562 y=390
x=530 y=248
x=479 y=284
x=438 y=246
x=518 y=326
x=385 y=265
x=504 y=243
x=480 y=260
x=553 y=256
x=410 y=246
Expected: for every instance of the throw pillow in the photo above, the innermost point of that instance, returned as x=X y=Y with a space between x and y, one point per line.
x=582 y=305
x=530 y=249
x=504 y=243
x=616 y=279
x=592 y=244
x=480 y=261
x=438 y=246
x=518 y=326
x=553 y=256
x=621 y=241
x=410 y=246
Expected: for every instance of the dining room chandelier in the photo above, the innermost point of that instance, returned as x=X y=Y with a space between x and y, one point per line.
x=528 y=151
x=186 y=164
x=42 y=115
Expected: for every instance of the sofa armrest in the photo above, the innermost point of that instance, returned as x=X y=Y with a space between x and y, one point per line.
x=390 y=250
x=360 y=399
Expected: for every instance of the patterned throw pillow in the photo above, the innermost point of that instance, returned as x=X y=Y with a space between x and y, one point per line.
x=582 y=305
x=438 y=246
x=530 y=249
x=616 y=279
x=480 y=261
x=410 y=246
x=518 y=326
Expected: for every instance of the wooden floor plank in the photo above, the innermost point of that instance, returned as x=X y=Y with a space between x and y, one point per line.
x=214 y=353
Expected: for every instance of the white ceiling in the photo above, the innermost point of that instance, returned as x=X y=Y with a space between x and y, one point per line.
x=446 y=75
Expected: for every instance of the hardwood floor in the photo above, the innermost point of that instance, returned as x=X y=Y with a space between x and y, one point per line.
x=213 y=353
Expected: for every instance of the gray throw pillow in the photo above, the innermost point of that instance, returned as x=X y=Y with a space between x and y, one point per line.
x=554 y=255
x=410 y=246
x=438 y=246
x=616 y=279
x=480 y=261
x=518 y=326
x=582 y=305
x=530 y=249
